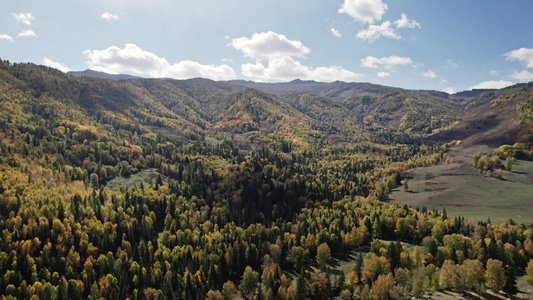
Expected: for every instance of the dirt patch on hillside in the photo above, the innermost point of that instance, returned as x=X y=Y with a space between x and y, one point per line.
x=464 y=191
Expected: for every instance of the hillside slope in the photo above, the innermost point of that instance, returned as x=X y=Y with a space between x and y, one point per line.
x=494 y=118
x=297 y=112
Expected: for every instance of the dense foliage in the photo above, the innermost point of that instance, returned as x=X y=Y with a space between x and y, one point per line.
x=261 y=208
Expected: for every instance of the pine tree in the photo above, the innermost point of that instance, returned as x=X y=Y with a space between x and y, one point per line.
x=510 y=285
x=301 y=286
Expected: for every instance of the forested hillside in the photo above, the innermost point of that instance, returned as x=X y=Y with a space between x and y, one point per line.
x=257 y=195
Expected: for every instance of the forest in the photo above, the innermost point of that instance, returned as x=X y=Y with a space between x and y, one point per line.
x=257 y=195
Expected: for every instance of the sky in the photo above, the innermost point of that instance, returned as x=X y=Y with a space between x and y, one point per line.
x=447 y=45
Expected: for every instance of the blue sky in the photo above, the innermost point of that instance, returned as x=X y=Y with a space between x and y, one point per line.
x=448 y=45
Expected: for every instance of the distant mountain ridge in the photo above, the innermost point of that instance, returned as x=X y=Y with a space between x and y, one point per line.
x=92 y=73
x=336 y=89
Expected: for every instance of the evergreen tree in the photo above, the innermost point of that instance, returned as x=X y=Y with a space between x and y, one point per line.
x=510 y=287
x=301 y=286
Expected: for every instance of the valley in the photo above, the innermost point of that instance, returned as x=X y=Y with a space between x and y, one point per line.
x=126 y=187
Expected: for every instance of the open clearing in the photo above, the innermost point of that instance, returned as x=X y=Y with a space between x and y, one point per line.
x=144 y=176
x=464 y=191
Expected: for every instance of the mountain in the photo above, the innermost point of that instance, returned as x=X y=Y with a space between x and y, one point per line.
x=92 y=73
x=473 y=93
x=293 y=112
x=337 y=89
x=494 y=118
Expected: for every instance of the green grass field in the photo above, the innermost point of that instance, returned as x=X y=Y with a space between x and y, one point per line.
x=144 y=177
x=464 y=191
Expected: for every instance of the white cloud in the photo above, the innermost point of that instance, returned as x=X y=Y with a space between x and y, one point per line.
x=269 y=45
x=336 y=33
x=449 y=90
x=523 y=76
x=383 y=74
x=523 y=54
x=494 y=72
x=365 y=11
x=286 y=68
x=25 y=18
x=386 y=29
x=492 y=84
x=374 y=32
x=61 y=67
x=405 y=22
x=430 y=74
x=386 y=62
x=279 y=53
x=134 y=60
x=27 y=33
x=109 y=16
x=6 y=37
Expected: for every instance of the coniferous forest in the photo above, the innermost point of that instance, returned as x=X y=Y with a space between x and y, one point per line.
x=256 y=195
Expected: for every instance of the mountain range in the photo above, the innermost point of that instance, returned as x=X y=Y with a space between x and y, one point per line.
x=469 y=115
x=305 y=114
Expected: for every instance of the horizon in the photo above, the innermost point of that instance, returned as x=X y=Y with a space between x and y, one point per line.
x=293 y=81
x=447 y=46
x=71 y=72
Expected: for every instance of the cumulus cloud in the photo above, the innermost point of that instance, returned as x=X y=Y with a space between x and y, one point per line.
x=386 y=29
x=286 y=68
x=336 y=33
x=25 y=18
x=383 y=74
x=430 y=74
x=524 y=76
x=109 y=16
x=374 y=32
x=6 y=37
x=269 y=45
x=492 y=84
x=386 y=62
x=523 y=54
x=405 y=22
x=134 y=60
x=274 y=60
x=27 y=33
x=61 y=67
x=365 y=11
x=449 y=90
